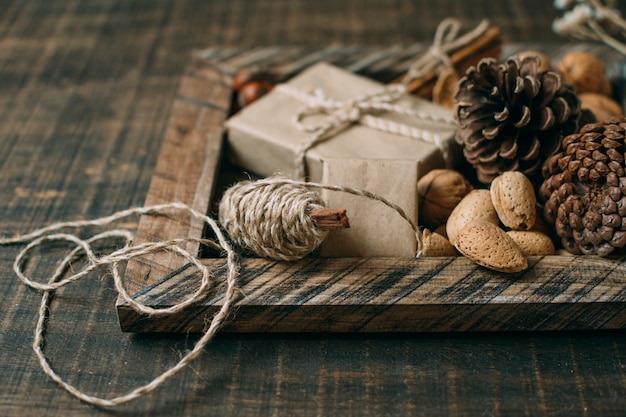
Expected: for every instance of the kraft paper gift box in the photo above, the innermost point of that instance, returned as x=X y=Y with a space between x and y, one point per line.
x=264 y=139
x=375 y=229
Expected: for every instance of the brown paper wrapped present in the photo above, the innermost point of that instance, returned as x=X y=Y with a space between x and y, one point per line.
x=332 y=126
x=265 y=137
x=375 y=229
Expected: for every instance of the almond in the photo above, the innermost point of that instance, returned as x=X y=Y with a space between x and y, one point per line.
x=513 y=197
x=476 y=205
x=532 y=242
x=436 y=245
x=487 y=245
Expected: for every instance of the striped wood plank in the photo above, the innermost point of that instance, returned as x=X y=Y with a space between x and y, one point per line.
x=340 y=295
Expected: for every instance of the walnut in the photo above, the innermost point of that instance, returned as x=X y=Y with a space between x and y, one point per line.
x=439 y=191
x=601 y=106
x=586 y=72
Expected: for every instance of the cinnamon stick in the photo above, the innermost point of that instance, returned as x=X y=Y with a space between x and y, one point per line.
x=330 y=218
x=489 y=44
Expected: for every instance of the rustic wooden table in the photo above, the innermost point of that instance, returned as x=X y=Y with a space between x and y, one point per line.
x=85 y=92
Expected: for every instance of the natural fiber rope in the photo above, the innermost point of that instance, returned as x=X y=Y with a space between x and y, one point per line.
x=340 y=115
x=248 y=208
x=272 y=219
x=296 y=192
x=126 y=253
x=446 y=40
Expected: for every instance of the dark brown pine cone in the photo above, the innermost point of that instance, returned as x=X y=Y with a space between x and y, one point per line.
x=584 y=191
x=513 y=117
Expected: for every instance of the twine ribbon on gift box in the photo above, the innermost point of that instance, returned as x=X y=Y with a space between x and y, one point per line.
x=341 y=114
x=259 y=215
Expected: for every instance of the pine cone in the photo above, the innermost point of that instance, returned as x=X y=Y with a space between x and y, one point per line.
x=512 y=117
x=584 y=191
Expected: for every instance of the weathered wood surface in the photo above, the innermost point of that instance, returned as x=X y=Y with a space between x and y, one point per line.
x=86 y=90
x=344 y=295
x=186 y=170
x=390 y=295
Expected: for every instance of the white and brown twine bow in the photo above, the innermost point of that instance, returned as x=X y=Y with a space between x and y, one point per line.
x=365 y=110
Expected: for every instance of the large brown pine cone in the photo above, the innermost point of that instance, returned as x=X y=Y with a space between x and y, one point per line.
x=584 y=192
x=512 y=117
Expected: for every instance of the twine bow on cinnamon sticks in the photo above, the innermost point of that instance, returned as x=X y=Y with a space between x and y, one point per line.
x=451 y=52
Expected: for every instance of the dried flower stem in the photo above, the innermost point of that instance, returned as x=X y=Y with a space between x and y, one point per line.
x=590 y=20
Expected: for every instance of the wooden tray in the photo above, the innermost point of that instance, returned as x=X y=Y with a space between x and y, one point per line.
x=339 y=295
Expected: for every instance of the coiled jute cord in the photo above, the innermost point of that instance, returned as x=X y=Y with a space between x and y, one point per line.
x=247 y=207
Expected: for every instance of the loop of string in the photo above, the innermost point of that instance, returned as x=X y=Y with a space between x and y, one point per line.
x=127 y=252
x=84 y=247
x=340 y=115
x=446 y=40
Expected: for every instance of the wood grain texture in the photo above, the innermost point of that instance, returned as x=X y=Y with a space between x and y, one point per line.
x=346 y=295
x=187 y=169
x=86 y=91
x=393 y=295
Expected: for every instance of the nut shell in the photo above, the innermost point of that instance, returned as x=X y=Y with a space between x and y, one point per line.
x=513 y=197
x=486 y=244
x=586 y=72
x=532 y=242
x=436 y=245
x=602 y=107
x=439 y=191
x=476 y=205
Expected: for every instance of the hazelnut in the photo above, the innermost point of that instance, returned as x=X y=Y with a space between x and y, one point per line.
x=586 y=72
x=544 y=61
x=252 y=91
x=247 y=75
x=602 y=107
x=439 y=191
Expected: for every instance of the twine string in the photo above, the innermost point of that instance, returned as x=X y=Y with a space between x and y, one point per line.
x=127 y=252
x=52 y=234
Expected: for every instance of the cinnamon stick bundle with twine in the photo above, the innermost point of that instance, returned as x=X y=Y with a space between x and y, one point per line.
x=449 y=56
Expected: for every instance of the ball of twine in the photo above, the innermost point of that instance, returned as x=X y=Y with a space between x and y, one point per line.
x=272 y=219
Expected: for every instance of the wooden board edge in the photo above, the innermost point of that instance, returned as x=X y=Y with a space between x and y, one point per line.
x=399 y=295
